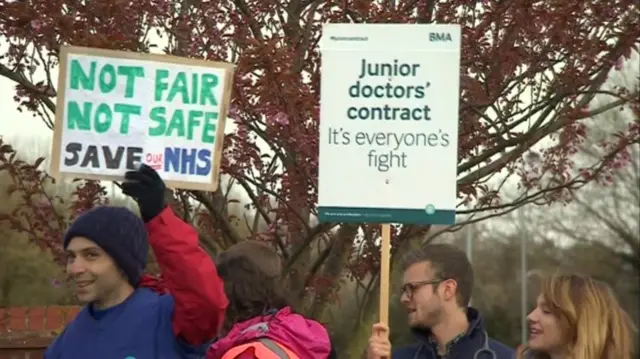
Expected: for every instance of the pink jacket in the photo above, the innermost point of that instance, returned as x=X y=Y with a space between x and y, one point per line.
x=306 y=338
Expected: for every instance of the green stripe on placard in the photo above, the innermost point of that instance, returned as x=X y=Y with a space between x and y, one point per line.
x=386 y=215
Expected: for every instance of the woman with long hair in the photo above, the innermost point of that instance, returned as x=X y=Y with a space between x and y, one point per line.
x=259 y=321
x=578 y=317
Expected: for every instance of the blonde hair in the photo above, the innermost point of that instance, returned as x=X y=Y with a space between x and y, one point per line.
x=589 y=313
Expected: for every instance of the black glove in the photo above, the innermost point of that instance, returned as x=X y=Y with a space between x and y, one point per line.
x=147 y=188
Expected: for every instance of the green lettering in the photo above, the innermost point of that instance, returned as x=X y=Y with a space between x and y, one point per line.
x=194 y=121
x=209 y=82
x=179 y=87
x=77 y=118
x=102 y=125
x=131 y=72
x=194 y=87
x=209 y=127
x=176 y=124
x=161 y=83
x=157 y=115
x=126 y=111
x=78 y=77
x=110 y=72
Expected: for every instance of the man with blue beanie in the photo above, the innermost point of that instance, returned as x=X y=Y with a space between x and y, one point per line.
x=130 y=315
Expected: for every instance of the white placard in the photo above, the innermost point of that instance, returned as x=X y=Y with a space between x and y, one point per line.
x=389 y=123
x=119 y=109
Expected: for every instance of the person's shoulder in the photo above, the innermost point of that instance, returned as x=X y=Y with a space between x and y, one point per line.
x=150 y=304
x=295 y=331
x=156 y=303
x=148 y=296
x=405 y=351
x=53 y=350
x=68 y=337
x=502 y=350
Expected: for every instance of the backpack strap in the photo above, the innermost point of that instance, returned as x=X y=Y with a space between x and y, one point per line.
x=277 y=349
x=264 y=348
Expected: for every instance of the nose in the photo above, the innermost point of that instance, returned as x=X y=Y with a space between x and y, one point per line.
x=76 y=266
x=532 y=316
x=404 y=298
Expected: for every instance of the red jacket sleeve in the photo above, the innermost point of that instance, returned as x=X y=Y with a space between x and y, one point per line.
x=190 y=276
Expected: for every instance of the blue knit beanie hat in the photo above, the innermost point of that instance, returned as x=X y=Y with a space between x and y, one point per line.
x=120 y=233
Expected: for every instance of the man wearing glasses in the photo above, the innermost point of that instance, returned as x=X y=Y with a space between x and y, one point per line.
x=437 y=285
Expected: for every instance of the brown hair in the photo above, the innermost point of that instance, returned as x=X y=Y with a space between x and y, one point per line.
x=261 y=253
x=448 y=262
x=251 y=276
x=591 y=317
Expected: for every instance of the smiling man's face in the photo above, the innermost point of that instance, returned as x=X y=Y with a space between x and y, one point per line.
x=93 y=272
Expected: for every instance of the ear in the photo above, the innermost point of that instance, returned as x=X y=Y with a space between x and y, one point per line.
x=450 y=288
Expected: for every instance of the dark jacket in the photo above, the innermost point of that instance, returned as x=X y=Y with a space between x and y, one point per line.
x=472 y=342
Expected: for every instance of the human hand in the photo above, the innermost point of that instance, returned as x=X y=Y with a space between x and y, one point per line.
x=379 y=345
x=147 y=188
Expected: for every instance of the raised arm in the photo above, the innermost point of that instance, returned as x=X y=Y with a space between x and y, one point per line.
x=188 y=273
x=190 y=276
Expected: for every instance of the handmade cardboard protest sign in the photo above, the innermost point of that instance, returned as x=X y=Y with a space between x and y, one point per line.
x=389 y=123
x=116 y=110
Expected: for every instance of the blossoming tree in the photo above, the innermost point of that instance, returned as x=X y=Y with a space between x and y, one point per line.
x=530 y=70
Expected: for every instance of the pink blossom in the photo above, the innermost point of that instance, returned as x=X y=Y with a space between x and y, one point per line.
x=619 y=63
x=280 y=118
x=36 y=24
x=242 y=131
x=233 y=111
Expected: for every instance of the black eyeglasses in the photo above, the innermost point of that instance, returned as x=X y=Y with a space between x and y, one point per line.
x=412 y=287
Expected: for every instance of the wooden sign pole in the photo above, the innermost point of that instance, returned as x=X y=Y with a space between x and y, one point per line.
x=385 y=253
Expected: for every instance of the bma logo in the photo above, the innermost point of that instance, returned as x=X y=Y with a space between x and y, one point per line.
x=439 y=36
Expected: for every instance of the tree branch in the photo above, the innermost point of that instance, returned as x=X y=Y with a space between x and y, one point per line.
x=220 y=219
x=24 y=82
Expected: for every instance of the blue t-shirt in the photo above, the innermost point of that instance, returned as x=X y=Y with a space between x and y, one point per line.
x=139 y=328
